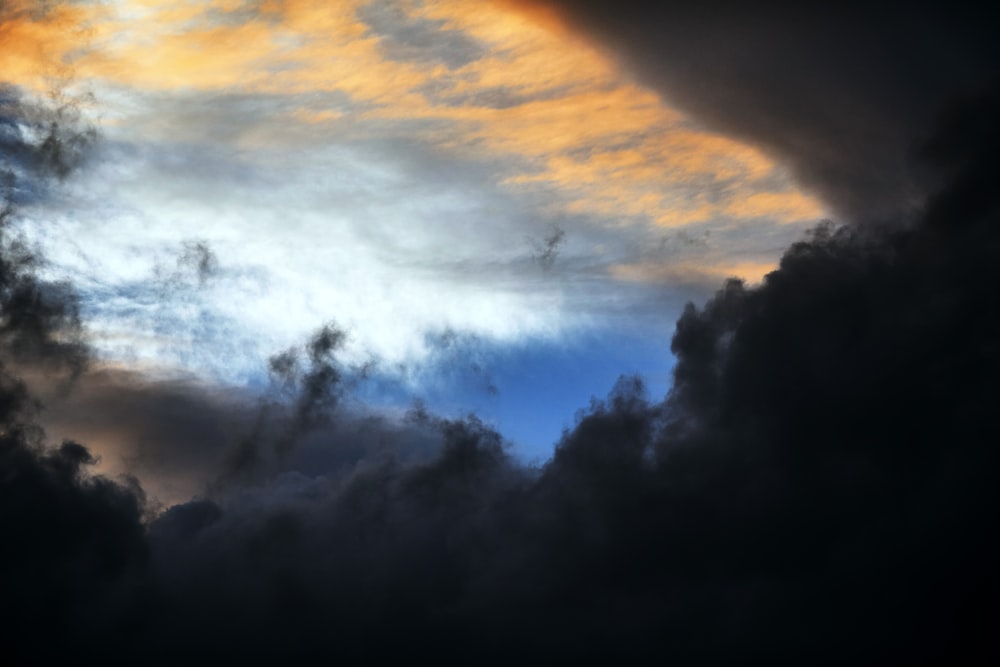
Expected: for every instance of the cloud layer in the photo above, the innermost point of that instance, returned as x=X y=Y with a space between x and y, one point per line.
x=818 y=484
x=343 y=162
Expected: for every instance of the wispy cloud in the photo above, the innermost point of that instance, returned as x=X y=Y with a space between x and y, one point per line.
x=346 y=160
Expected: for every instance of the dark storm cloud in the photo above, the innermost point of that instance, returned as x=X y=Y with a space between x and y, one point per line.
x=67 y=540
x=820 y=480
x=184 y=438
x=819 y=486
x=840 y=93
x=173 y=433
x=69 y=543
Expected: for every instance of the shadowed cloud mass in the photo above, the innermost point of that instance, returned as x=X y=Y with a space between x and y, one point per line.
x=817 y=486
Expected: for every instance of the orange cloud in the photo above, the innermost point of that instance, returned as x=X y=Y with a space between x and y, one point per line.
x=672 y=272
x=36 y=43
x=788 y=205
x=541 y=14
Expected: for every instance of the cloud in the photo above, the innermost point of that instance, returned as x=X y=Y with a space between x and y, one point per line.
x=819 y=481
x=357 y=233
x=37 y=141
x=183 y=438
x=785 y=496
x=548 y=250
x=72 y=542
x=410 y=38
x=40 y=322
x=839 y=94
x=819 y=476
x=70 y=539
x=489 y=79
x=37 y=37
x=392 y=167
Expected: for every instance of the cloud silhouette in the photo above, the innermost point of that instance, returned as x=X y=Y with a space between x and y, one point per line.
x=818 y=484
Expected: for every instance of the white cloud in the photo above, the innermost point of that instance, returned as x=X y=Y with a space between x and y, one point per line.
x=394 y=182
x=389 y=246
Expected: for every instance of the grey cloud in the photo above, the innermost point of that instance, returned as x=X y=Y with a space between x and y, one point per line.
x=198 y=258
x=406 y=38
x=38 y=141
x=183 y=437
x=548 y=250
x=39 y=319
x=819 y=482
x=440 y=91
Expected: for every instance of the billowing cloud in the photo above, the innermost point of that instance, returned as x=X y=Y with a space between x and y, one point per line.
x=840 y=95
x=819 y=480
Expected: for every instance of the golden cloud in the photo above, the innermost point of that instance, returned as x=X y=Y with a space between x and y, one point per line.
x=673 y=272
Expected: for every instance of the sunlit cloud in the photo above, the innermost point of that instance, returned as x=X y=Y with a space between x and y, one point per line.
x=391 y=165
x=568 y=119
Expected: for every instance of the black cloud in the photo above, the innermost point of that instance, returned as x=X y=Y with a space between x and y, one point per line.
x=69 y=540
x=819 y=482
x=819 y=485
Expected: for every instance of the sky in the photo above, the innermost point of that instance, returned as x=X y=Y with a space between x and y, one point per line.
x=415 y=173
x=517 y=329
